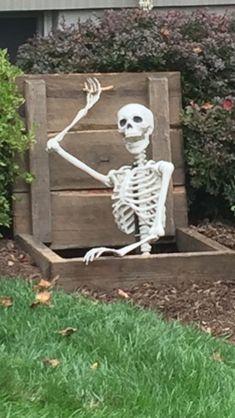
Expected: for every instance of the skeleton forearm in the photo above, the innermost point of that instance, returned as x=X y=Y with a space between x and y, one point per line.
x=166 y=169
x=79 y=164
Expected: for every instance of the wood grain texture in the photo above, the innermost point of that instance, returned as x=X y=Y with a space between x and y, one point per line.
x=65 y=97
x=110 y=272
x=82 y=219
x=161 y=145
x=103 y=151
x=189 y=240
x=36 y=112
x=43 y=256
x=177 y=152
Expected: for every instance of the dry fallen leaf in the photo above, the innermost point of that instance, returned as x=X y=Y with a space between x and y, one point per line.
x=6 y=301
x=42 y=298
x=165 y=32
x=94 y=365
x=197 y=50
x=207 y=106
x=10 y=245
x=217 y=356
x=53 y=362
x=206 y=329
x=123 y=294
x=21 y=257
x=67 y=331
x=43 y=284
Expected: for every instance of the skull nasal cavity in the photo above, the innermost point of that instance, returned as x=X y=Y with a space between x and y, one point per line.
x=129 y=126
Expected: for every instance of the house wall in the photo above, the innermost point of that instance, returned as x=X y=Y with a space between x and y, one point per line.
x=27 y=5
x=71 y=16
x=52 y=12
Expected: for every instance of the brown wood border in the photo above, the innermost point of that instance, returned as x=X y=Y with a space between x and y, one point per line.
x=111 y=272
x=161 y=147
x=188 y=239
x=36 y=111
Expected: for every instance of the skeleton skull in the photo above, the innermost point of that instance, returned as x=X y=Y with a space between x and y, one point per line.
x=135 y=123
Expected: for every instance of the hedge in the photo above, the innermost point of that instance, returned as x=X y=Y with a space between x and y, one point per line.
x=200 y=45
x=13 y=140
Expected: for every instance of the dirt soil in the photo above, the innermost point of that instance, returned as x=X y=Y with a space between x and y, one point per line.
x=209 y=306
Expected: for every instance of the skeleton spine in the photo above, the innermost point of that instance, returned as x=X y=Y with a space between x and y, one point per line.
x=140 y=161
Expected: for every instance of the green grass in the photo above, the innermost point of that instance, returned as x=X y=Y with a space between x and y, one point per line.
x=147 y=368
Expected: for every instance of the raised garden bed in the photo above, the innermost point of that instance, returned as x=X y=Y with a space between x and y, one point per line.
x=197 y=258
x=64 y=209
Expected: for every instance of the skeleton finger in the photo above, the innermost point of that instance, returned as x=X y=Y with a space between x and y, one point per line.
x=100 y=252
x=86 y=259
x=89 y=86
x=98 y=86
x=92 y=256
x=92 y=85
x=89 y=257
x=86 y=88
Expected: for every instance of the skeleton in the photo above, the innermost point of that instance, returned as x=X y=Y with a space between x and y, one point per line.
x=146 y=4
x=139 y=191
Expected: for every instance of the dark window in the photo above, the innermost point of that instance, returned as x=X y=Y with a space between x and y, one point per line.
x=14 y=31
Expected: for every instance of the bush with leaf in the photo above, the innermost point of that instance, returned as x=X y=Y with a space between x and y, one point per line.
x=13 y=140
x=210 y=149
x=200 y=45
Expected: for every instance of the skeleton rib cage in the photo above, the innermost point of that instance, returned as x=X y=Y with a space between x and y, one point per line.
x=135 y=192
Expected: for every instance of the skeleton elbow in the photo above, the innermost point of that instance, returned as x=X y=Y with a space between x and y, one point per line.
x=170 y=168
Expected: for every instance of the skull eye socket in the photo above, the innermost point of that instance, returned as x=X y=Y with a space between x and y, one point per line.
x=137 y=119
x=122 y=122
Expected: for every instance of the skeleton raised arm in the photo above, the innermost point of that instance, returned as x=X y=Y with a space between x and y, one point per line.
x=93 y=89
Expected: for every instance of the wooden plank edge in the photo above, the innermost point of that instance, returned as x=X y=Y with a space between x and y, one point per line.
x=36 y=118
x=190 y=239
x=126 y=272
x=43 y=256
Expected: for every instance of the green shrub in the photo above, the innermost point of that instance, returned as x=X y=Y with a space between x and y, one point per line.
x=13 y=140
x=209 y=132
x=199 y=45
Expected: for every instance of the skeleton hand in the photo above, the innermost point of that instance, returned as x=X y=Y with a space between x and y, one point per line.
x=93 y=89
x=97 y=252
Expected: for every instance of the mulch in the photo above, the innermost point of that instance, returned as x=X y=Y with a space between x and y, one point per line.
x=209 y=306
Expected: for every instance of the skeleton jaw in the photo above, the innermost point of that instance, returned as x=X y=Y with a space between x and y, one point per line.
x=136 y=144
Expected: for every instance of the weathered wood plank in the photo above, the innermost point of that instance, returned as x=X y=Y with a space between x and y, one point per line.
x=161 y=146
x=36 y=112
x=22 y=219
x=83 y=219
x=111 y=272
x=42 y=255
x=103 y=151
x=177 y=152
x=189 y=240
x=180 y=207
x=65 y=97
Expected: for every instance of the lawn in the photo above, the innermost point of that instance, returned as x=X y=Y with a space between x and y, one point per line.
x=122 y=362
